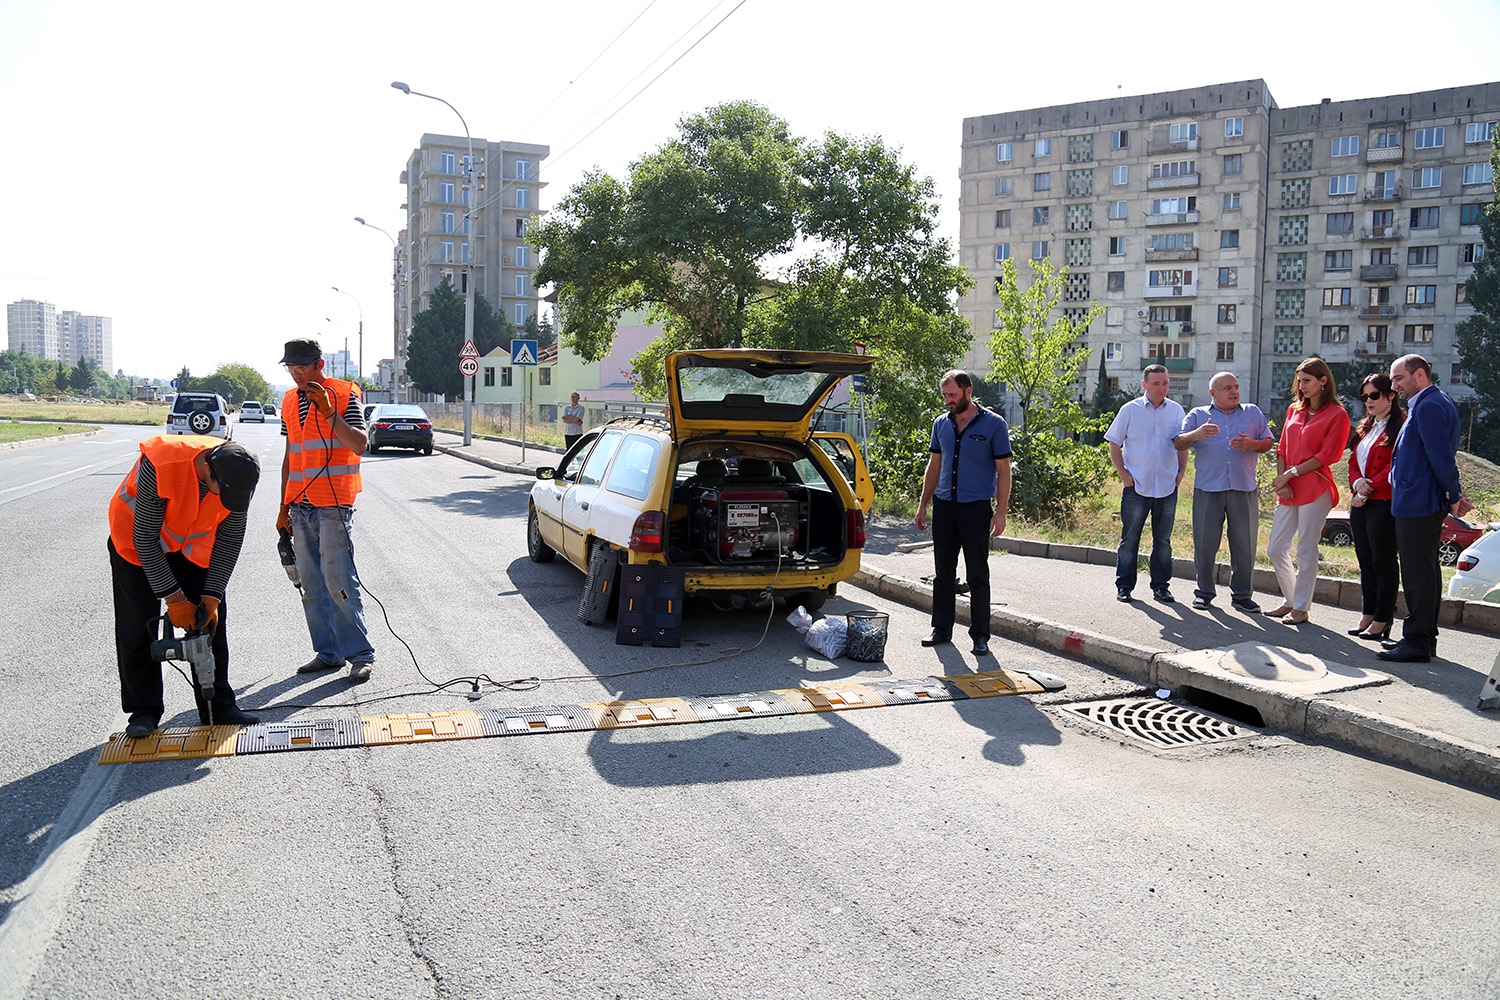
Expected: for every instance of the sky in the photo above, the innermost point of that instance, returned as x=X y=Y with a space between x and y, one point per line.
x=194 y=170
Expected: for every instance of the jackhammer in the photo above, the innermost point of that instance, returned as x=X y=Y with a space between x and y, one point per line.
x=195 y=648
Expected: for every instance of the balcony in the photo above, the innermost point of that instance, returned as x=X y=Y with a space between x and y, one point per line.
x=1377 y=312
x=1380 y=234
x=1173 y=219
x=1172 y=330
x=1169 y=291
x=1377 y=272
x=1391 y=193
x=1180 y=181
x=1170 y=364
x=1386 y=154
x=1166 y=147
x=1155 y=255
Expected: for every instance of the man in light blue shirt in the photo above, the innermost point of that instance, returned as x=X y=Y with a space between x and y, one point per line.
x=1227 y=439
x=1140 y=446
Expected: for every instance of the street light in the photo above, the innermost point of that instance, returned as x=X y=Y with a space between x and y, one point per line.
x=346 y=345
x=361 y=368
x=396 y=302
x=471 y=216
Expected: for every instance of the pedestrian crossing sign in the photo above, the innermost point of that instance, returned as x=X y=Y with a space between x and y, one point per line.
x=523 y=352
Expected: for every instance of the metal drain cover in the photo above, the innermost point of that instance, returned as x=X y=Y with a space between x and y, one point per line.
x=1158 y=723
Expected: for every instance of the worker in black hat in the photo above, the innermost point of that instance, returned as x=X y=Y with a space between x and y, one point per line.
x=176 y=525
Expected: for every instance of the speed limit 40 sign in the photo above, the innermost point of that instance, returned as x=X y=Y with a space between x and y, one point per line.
x=468 y=366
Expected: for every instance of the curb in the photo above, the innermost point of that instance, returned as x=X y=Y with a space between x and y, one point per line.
x=1435 y=754
x=55 y=437
x=457 y=452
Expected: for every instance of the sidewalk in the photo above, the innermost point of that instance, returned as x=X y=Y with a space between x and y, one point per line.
x=1418 y=715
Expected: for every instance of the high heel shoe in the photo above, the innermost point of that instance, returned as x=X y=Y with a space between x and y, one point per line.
x=1360 y=630
x=1367 y=634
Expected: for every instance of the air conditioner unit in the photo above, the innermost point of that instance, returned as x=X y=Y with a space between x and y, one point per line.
x=1141 y=313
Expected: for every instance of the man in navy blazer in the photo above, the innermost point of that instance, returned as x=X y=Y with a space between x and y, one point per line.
x=1424 y=490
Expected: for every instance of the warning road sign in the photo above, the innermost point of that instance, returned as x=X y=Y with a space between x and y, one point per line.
x=523 y=352
x=468 y=366
x=469 y=351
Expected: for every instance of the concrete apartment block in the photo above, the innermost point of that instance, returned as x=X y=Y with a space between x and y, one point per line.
x=31 y=326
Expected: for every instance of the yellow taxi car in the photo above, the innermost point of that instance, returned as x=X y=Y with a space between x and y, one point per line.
x=733 y=485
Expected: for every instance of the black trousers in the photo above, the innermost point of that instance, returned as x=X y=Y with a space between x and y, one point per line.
x=961 y=526
x=135 y=607
x=1374 y=532
x=1417 y=542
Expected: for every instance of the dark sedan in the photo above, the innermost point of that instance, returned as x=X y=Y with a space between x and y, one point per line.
x=400 y=425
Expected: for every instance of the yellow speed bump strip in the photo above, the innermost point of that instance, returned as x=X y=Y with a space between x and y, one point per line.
x=428 y=727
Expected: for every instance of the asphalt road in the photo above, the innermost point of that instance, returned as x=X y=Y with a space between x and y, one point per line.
x=971 y=849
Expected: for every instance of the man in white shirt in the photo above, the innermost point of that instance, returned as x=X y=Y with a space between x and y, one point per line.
x=1150 y=466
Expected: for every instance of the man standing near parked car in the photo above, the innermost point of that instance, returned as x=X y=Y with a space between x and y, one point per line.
x=1424 y=490
x=1150 y=466
x=968 y=483
x=572 y=416
x=1227 y=439
x=324 y=424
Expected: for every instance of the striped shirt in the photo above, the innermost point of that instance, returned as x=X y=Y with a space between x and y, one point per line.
x=151 y=514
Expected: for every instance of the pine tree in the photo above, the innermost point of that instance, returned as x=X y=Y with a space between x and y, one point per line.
x=1479 y=335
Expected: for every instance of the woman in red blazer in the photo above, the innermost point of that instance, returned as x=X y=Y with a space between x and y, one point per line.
x=1370 y=522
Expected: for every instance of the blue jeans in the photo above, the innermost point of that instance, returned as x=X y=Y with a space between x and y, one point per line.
x=1133 y=511
x=330 y=584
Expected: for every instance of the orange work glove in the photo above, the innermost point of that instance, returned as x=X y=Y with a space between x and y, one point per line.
x=211 y=604
x=320 y=397
x=181 y=611
x=284 y=518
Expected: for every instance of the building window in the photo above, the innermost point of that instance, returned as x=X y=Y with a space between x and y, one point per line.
x=1116 y=246
x=520 y=228
x=445 y=222
x=1002 y=252
x=1225 y=351
x=1426 y=177
x=1229 y=238
x=1234 y=163
x=1470 y=214
x=1340 y=184
x=505 y=376
x=1473 y=253
x=1335 y=297
x=1232 y=201
x=1424 y=218
x=1044 y=147
x=1039 y=250
x=1383 y=221
x=1164 y=349
x=1378 y=337
x=1171 y=314
x=1420 y=333
x=1478 y=173
x=445 y=192
x=1380 y=255
x=1002 y=186
x=1335 y=335
x=489 y=375
x=1478 y=131
x=1338 y=260
x=1119 y=139
x=1386 y=185
x=544 y=376
x=1380 y=296
x=1421 y=295
x=446 y=162
x=1114 y=351
x=1177 y=168
x=523 y=170
x=1041 y=182
x=1173 y=206
x=1429 y=138
x=1120 y=176
x=1117 y=210
x=523 y=283
x=1115 y=281
x=1229 y=277
x=1186 y=132
x=1002 y=218
x=1040 y=216
x=463 y=254
x=523 y=256
x=1346 y=145
x=1385 y=140
x=520 y=313
x=1461 y=297
x=1004 y=153
x=1175 y=278
x=445 y=251
x=1226 y=314
x=1171 y=241
x=1341 y=222
x=523 y=197
x=1421 y=256
x=1234 y=127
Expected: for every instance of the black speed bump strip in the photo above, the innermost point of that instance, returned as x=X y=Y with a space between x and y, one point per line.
x=423 y=727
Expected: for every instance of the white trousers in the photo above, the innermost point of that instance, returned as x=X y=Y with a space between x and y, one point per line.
x=1306 y=522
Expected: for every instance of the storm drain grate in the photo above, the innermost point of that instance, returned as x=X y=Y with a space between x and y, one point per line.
x=1159 y=723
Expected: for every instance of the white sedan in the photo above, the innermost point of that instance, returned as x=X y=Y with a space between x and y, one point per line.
x=1478 y=575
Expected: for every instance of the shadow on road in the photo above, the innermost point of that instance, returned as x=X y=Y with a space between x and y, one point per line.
x=499 y=501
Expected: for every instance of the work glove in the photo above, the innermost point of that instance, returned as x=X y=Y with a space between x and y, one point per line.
x=182 y=611
x=284 y=518
x=319 y=396
x=211 y=605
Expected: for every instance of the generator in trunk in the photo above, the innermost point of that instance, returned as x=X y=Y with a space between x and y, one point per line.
x=747 y=522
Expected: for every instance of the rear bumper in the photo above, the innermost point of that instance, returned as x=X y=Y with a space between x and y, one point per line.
x=401 y=439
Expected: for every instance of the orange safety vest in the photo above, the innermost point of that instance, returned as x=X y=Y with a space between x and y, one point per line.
x=190 y=524
x=320 y=470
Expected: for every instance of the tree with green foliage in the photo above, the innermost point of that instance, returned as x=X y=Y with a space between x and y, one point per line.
x=539 y=330
x=21 y=371
x=1479 y=335
x=81 y=378
x=236 y=382
x=438 y=335
x=1038 y=355
x=184 y=380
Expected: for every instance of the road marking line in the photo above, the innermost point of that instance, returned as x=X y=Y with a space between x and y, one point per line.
x=68 y=472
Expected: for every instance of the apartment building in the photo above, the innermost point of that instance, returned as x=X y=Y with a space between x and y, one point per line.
x=440 y=241
x=41 y=331
x=31 y=326
x=1220 y=231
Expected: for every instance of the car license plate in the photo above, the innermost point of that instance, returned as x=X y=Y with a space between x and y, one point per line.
x=742 y=515
x=403 y=427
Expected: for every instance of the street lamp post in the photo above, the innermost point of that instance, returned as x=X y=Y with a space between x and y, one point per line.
x=328 y=320
x=471 y=217
x=396 y=298
x=361 y=368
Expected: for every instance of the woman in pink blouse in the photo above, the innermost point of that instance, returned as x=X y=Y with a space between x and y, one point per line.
x=1312 y=442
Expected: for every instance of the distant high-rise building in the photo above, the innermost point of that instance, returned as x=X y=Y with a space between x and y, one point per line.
x=437 y=243
x=1222 y=232
x=86 y=336
x=31 y=327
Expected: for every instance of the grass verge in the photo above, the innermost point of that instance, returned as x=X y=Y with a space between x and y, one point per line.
x=104 y=413
x=12 y=431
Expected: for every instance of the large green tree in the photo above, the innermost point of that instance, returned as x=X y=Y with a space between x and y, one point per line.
x=438 y=335
x=1479 y=335
x=19 y=371
x=236 y=382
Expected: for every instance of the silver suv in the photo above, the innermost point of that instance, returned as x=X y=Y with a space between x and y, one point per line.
x=199 y=413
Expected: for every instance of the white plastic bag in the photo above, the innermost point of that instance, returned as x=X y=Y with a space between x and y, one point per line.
x=800 y=620
x=828 y=636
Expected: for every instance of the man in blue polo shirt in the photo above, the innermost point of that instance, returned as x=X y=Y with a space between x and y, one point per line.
x=1140 y=446
x=969 y=475
x=1227 y=439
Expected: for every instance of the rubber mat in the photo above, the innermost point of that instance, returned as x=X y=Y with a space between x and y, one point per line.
x=429 y=727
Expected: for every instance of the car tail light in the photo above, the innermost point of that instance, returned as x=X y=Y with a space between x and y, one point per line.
x=223 y=420
x=424 y=426
x=856 y=528
x=646 y=535
x=1467 y=562
x=384 y=425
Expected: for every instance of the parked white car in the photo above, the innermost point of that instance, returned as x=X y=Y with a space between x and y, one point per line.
x=1478 y=575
